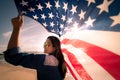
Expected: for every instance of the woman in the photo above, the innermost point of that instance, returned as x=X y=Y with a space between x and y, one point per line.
x=49 y=67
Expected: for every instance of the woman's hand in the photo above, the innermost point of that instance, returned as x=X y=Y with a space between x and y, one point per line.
x=18 y=22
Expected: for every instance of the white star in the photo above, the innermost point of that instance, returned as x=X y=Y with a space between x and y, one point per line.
x=24 y=3
x=60 y=32
x=51 y=15
x=63 y=18
x=75 y=24
x=23 y=12
x=48 y=5
x=57 y=15
x=35 y=17
x=52 y=24
x=90 y=21
x=66 y=29
x=61 y=26
x=53 y=30
x=32 y=9
x=82 y=14
x=39 y=7
x=73 y=10
x=104 y=6
x=65 y=7
x=43 y=16
x=90 y=1
x=116 y=20
x=69 y=20
x=57 y=4
x=45 y=24
x=75 y=27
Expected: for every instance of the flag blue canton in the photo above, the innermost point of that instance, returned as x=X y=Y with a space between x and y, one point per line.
x=61 y=16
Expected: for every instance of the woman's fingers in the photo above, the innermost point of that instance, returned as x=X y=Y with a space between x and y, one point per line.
x=18 y=21
x=21 y=19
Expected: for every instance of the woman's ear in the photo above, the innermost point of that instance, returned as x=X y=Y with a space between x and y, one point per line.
x=55 y=49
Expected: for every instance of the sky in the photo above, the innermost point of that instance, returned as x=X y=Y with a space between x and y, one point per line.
x=33 y=34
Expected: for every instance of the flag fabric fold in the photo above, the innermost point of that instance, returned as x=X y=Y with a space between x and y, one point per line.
x=75 y=16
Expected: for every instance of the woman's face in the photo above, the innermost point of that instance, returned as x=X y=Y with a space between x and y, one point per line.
x=48 y=47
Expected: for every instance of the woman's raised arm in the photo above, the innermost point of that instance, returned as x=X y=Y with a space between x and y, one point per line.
x=17 y=23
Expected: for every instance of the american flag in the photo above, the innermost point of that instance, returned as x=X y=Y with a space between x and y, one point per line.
x=85 y=27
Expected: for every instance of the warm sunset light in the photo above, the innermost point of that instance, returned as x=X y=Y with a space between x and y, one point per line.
x=89 y=34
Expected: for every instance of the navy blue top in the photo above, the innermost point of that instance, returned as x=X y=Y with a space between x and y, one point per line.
x=34 y=61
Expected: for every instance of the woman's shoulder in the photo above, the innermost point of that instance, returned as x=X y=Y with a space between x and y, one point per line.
x=51 y=60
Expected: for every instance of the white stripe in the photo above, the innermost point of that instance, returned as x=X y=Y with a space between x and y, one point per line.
x=93 y=69
x=70 y=65
x=106 y=39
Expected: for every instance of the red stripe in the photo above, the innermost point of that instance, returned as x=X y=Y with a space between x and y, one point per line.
x=108 y=60
x=77 y=66
x=71 y=71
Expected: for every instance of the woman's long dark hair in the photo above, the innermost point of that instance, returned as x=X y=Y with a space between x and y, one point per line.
x=58 y=54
